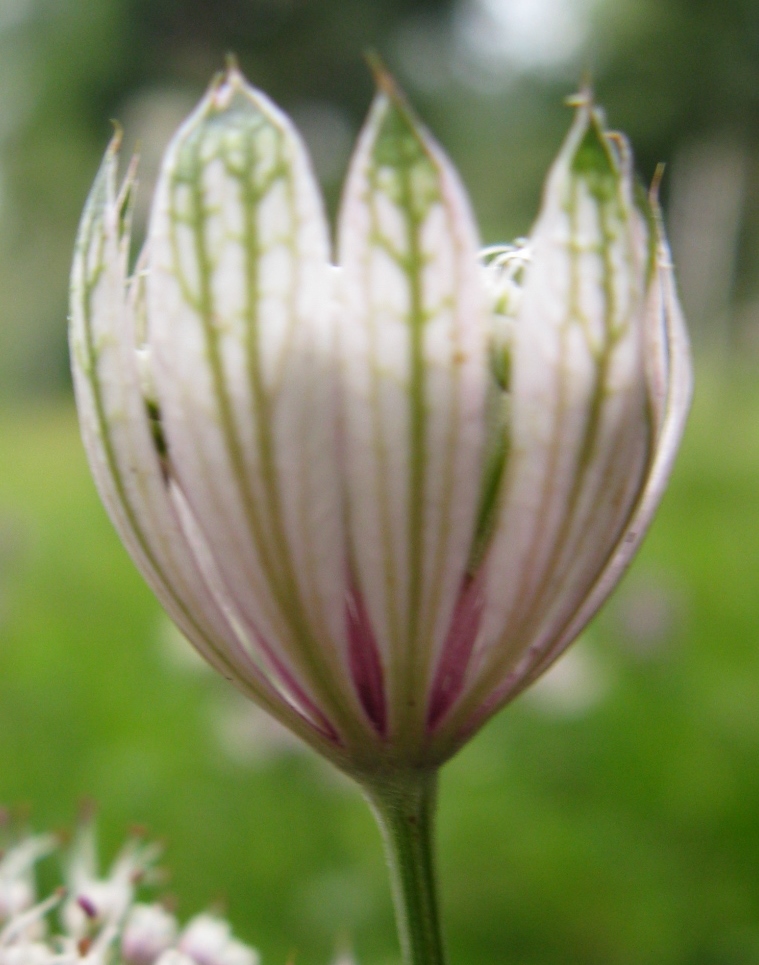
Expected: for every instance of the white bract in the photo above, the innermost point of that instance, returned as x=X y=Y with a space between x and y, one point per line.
x=380 y=497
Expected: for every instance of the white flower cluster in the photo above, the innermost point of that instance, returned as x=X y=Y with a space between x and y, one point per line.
x=99 y=920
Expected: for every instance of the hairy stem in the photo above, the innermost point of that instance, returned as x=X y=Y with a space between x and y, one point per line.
x=404 y=806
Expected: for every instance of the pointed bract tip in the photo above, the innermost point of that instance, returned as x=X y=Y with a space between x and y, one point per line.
x=215 y=83
x=656 y=180
x=584 y=106
x=376 y=65
x=131 y=171
x=584 y=96
x=663 y=256
x=622 y=148
x=116 y=138
x=387 y=85
x=226 y=84
x=213 y=98
x=383 y=79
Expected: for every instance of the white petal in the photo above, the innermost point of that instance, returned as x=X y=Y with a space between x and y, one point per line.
x=123 y=456
x=581 y=434
x=670 y=390
x=414 y=376
x=240 y=321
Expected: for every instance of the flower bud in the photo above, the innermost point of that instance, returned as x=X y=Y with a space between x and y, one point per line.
x=382 y=496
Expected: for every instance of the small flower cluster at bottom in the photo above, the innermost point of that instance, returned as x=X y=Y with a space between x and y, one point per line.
x=100 y=922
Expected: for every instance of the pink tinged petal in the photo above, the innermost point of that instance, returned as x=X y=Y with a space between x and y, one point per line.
x=129 y=468
x=365 y=664
x=413 y=383
x=240 y=322
x=454 y=661
x=253 y=649
x=581 y=434
x=670 y=391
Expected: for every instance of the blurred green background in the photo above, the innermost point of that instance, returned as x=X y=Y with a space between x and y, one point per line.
x=611 y=816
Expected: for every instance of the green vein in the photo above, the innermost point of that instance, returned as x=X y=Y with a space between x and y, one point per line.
x=412 y=189
x=272 y=545
x=92 y=223
x=595 y=167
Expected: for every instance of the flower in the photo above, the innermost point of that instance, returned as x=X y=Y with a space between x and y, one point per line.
x=207 y=940
x=149 y=931
x=102 y=923
x=17 y=893
x=97 y=903
x=381 y=497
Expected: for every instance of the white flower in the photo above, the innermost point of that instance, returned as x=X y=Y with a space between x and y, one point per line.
x=381 y=499
x=20 y=937
x=148 y=932
x=207 y=940
x=94 y=901
x=102 y=923
x=174 y=957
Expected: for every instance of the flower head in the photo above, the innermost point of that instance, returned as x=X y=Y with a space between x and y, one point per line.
x=102 y=923
x=380 y=497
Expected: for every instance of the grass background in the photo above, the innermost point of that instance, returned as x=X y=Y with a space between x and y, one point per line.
x=608 y=818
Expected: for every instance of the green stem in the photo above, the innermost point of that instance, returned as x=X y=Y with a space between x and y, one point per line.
x=404 y=806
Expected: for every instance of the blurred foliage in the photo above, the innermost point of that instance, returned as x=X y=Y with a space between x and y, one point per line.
x=608 y=818
x=679 y=68
x=669 y=72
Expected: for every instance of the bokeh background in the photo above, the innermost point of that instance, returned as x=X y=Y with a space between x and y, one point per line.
x=611 y=816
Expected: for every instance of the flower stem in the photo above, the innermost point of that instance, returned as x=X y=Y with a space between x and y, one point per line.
x=404 y=807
